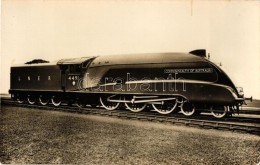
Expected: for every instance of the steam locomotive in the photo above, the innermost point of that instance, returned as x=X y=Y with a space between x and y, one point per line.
x=162 y=82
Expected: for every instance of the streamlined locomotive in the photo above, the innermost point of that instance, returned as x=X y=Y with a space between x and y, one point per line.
x=163 y=82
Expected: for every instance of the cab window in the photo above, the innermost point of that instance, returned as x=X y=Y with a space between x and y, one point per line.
x=75 y=69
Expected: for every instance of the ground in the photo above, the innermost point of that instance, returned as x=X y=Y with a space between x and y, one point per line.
x=41 y=136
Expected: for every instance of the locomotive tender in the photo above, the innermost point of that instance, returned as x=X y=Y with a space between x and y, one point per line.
x=164 y=82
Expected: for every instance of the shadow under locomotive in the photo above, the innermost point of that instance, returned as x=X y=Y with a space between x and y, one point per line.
x=167 y=82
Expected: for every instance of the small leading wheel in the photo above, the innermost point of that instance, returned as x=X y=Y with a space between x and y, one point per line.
x=56 y=101
x=43 y=100
x=135 y=107
x=188 y=109
x=108 y=105
x=31 y=99
x=165 y=108
x=219 y=111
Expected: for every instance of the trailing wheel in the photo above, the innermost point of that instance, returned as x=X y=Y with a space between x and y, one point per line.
x=108 y=105
x=43 y=100
x=80 y=103
x=165 y=108
x=219 y=111
x=56 y=101
x=135 y=107
x=31 y=99
x=187 y=108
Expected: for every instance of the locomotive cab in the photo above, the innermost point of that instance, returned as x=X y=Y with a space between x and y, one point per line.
x=72 y=71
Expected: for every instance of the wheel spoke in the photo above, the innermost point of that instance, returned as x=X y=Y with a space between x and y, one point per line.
x=135 y=107
x=166 y=108
x=108 y=105
x=31 y=99
x=20 y=99
x=187 y=108
x=43 y=100
x=56 y=101
x=219 y=111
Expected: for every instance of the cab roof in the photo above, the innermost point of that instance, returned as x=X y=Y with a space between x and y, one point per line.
x=68 y=61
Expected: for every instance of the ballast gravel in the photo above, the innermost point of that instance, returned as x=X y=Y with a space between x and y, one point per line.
x=34 y=136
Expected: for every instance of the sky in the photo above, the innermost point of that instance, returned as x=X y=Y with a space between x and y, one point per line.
x=55 y=29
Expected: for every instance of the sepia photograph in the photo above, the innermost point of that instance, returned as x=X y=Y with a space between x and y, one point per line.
x=130 y=82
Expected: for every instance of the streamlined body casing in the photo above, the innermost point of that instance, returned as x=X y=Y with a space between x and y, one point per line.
x=163 y=74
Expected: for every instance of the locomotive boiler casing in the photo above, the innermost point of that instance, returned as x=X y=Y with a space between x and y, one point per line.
x=174 y=74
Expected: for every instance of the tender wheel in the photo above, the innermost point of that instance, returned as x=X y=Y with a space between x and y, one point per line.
x=166 y=108
x=56 y=101
x=108 y=105
x=43 y=100
x=31 y=99
x=188 y=109
x=135 y=107
x=20 y=99
x=219 y=111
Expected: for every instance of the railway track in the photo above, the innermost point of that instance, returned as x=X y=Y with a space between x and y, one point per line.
x=239 y=124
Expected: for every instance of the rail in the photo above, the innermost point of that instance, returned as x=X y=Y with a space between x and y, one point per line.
x=246 y=125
